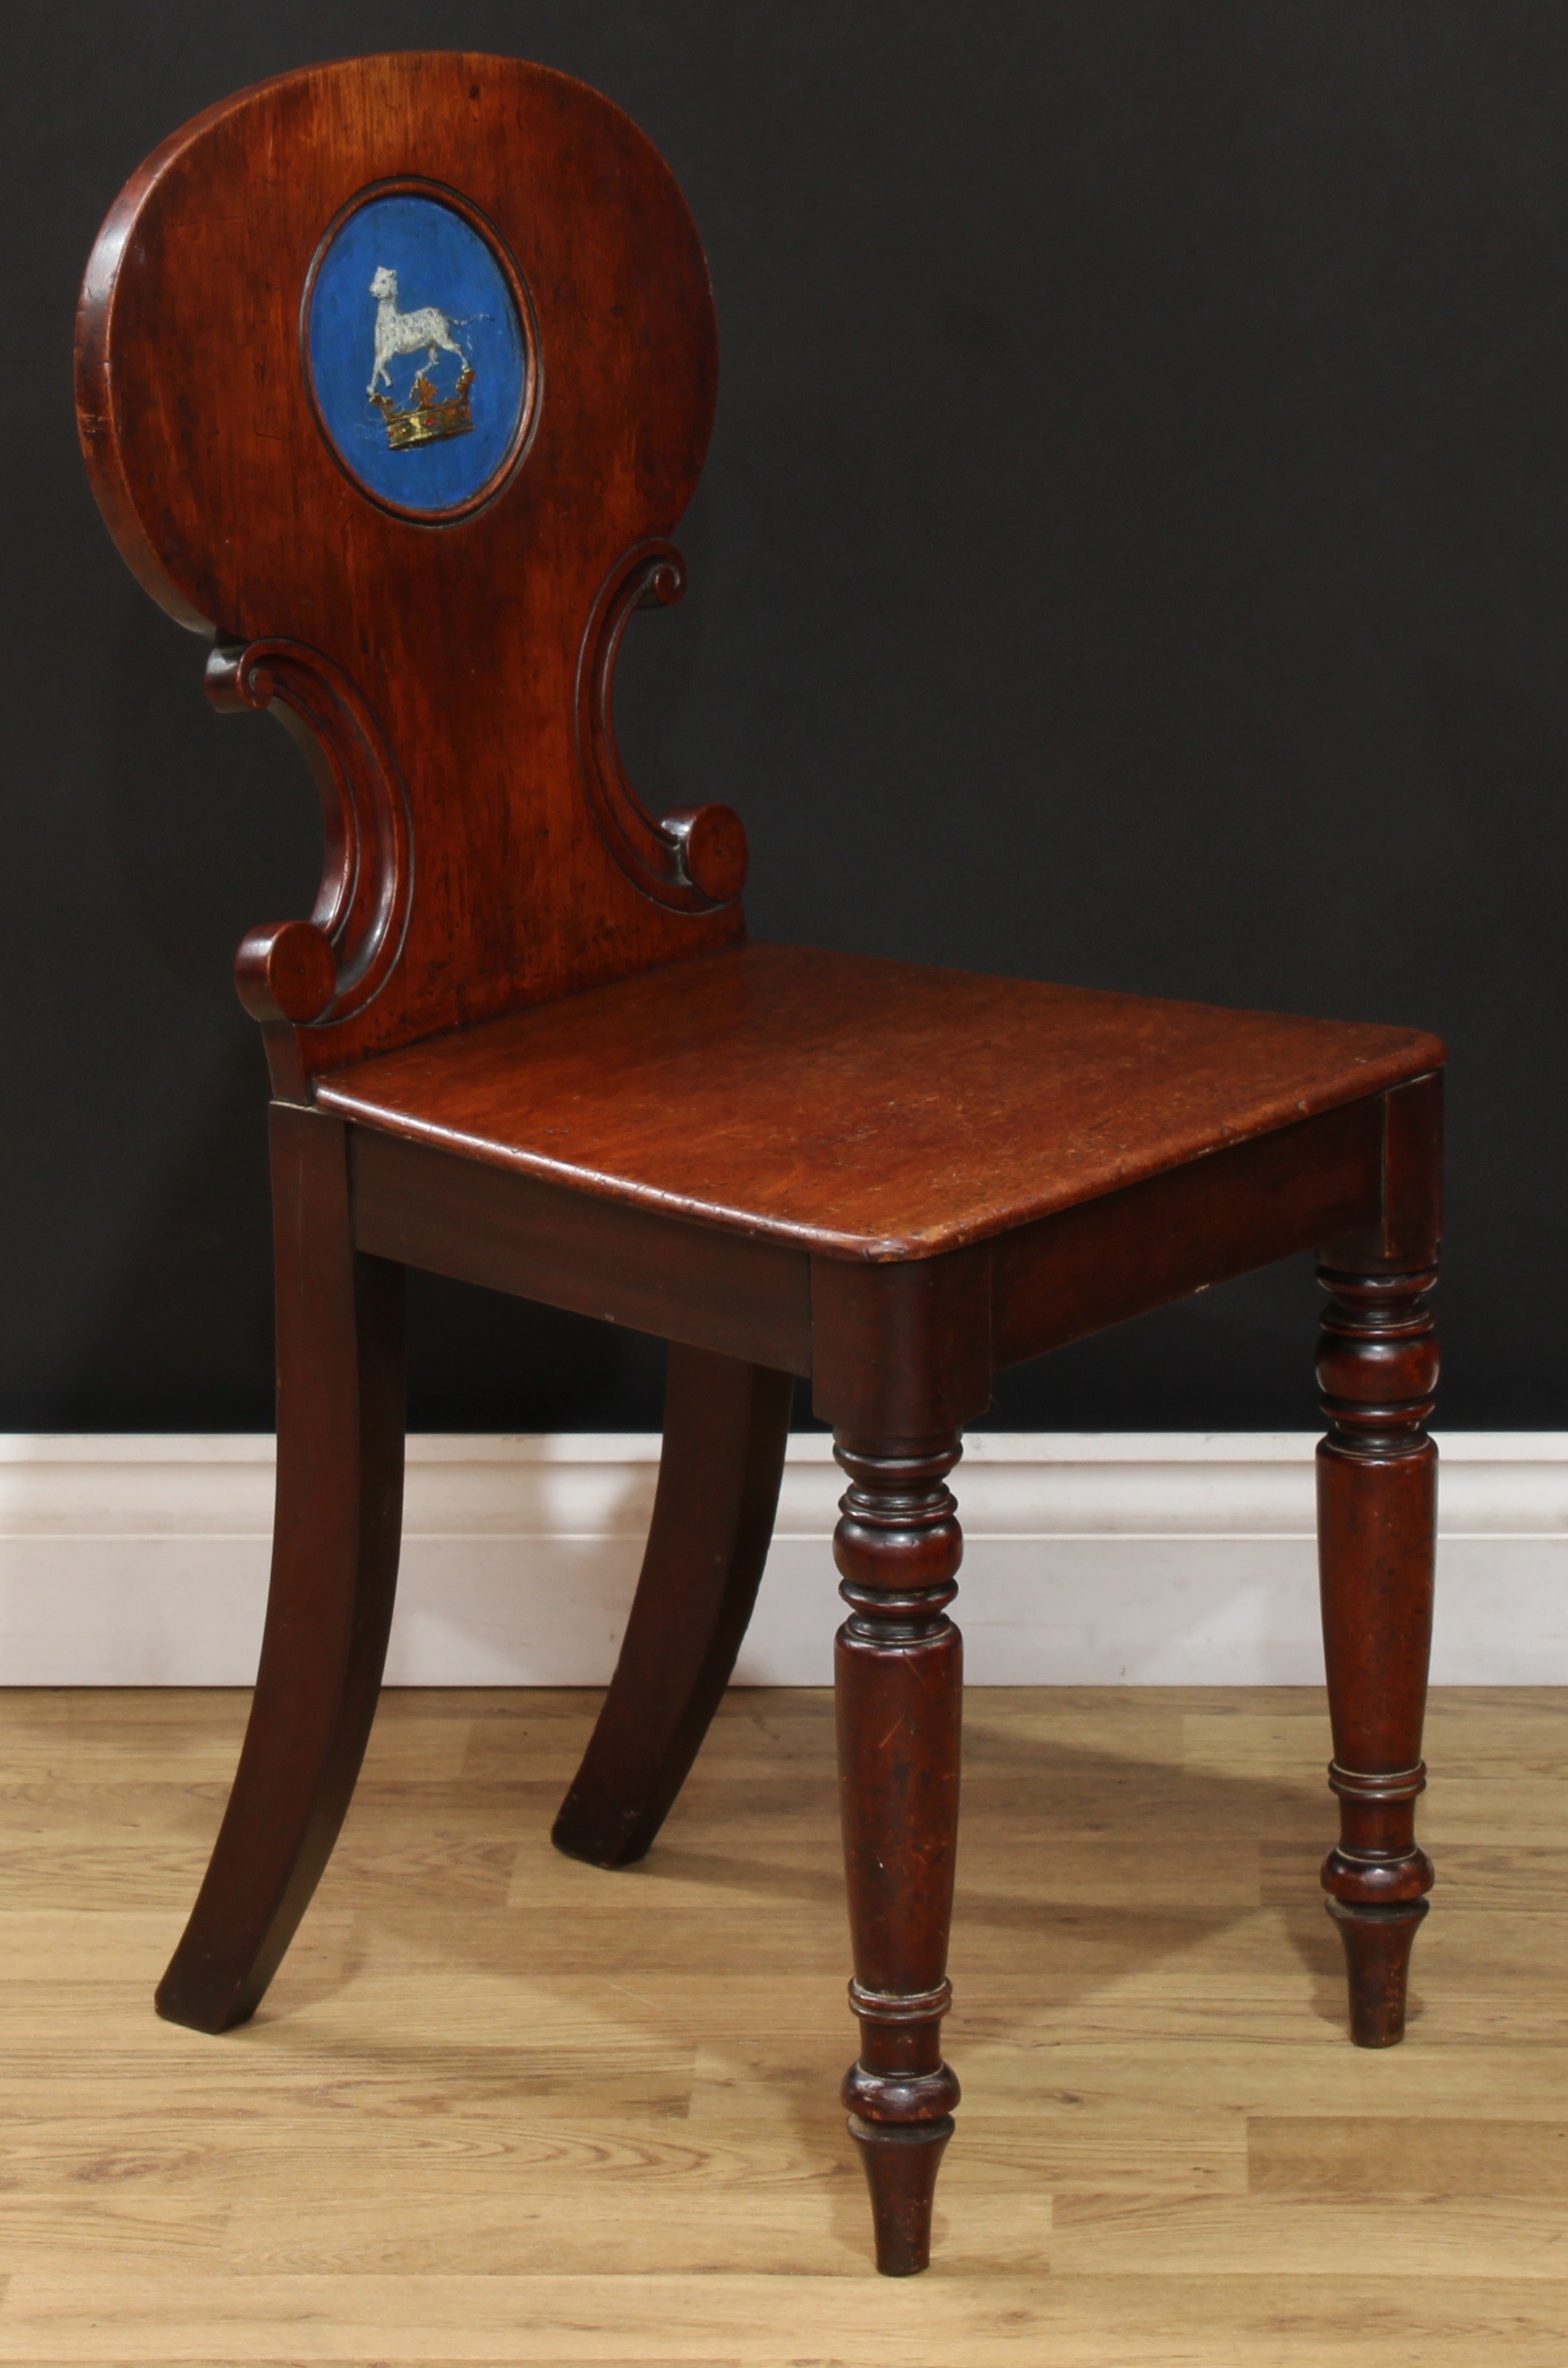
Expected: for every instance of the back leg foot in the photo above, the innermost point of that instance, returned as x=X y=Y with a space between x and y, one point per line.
x=335 y=1550
x=726 y=1425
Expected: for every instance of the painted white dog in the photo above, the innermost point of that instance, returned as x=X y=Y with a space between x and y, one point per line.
x=406 y=333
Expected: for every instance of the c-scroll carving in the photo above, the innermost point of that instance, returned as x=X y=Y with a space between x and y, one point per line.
x=695 y=861
x=313 y=972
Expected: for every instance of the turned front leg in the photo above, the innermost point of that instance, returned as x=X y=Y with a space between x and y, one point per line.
x=1377 y=1518
x=899 y=1672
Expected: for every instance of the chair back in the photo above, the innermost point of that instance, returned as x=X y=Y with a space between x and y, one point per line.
x=394 y=376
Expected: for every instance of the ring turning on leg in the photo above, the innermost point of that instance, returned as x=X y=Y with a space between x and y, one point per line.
x=1377 y=1515
x=899 y=1678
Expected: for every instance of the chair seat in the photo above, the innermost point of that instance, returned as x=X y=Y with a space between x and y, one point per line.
x=863 y=1107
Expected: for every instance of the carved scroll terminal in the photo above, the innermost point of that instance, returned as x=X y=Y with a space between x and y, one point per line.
x=695 y=861
x=313 y=972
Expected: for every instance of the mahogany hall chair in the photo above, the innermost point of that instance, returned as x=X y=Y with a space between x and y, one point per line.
x=394 y=376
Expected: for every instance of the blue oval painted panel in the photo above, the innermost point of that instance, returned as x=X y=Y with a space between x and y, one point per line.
x=417 y=353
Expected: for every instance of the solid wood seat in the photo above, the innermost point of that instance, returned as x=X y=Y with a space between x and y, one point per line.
x=864 y=1108
x=405 y=445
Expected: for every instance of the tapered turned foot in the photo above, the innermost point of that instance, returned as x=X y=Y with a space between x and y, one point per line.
x=1378 y=1942
x=1377 y=1516
x=901 y=2171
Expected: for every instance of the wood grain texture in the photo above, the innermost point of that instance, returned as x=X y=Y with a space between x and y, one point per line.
x=468 y=2069
x=226 y=498
x=862 y=1107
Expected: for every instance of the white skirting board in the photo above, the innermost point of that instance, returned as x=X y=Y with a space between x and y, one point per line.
x=1128 y=1558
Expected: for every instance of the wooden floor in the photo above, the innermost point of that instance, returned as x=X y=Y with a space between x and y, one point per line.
x=502 y=2107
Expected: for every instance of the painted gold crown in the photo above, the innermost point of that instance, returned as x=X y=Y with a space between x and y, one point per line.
x=430 y=417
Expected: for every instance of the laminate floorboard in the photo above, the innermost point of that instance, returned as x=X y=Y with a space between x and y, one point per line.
x=502 y=2107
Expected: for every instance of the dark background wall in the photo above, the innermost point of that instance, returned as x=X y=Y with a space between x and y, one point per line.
x=1134 y=551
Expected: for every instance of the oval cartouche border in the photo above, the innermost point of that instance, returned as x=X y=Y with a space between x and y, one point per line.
x=410 y=185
